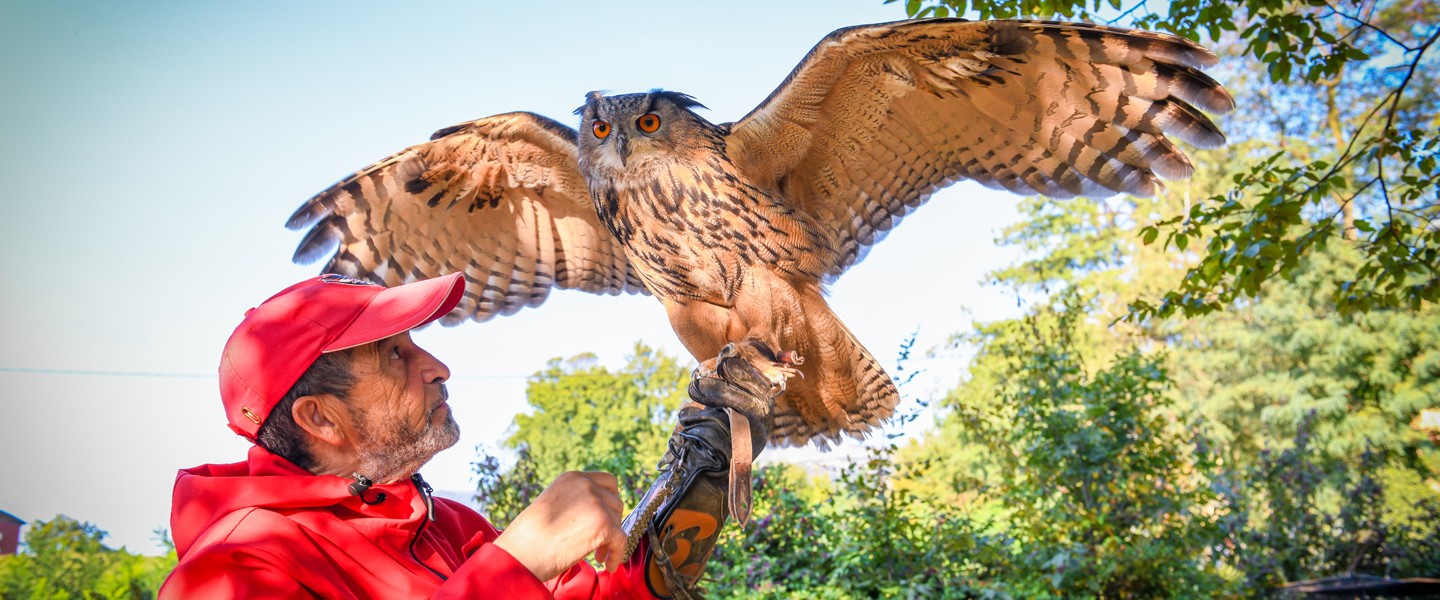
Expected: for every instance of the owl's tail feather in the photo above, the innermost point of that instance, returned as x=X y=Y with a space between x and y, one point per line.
x=877 y=395
x=844 y=391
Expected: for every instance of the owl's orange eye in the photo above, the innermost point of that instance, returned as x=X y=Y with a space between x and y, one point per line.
x=648 y=123
x=601 y=129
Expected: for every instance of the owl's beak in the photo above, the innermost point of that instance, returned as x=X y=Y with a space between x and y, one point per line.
x=622 y=147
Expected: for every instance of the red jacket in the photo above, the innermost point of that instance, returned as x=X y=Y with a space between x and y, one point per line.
x=266 y=528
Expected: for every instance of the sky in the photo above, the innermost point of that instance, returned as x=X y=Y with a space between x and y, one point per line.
x=150 y=153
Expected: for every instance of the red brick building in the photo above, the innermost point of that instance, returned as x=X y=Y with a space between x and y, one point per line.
x=9 y=533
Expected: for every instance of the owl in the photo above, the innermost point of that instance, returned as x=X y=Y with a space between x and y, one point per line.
x=736 y=228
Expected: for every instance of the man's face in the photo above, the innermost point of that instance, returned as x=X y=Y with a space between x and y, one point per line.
x=398 y=408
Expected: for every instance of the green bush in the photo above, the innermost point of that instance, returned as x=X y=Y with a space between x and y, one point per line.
x=64 y=559
x=858 y=537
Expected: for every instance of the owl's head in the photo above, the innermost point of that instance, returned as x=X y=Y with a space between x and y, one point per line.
x=626 y=131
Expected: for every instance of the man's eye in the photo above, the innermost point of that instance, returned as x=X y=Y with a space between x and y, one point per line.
x=395 y=353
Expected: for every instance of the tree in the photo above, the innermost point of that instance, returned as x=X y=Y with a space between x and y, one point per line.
x=65 y=558
x=587 y=418
x=1104 y=490
x=1247 y=375
x=809 y=538
x=1252 y=373
x=1259 y=371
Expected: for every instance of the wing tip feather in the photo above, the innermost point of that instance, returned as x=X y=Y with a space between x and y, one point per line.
x=322 y=238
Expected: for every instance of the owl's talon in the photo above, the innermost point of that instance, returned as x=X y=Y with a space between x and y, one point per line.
x=777 y=387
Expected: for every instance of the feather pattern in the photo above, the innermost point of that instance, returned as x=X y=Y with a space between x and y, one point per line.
x=498 y=198
x=876 y=118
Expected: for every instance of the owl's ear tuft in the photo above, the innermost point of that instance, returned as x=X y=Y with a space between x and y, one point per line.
x=590 y=98
x=681 y=99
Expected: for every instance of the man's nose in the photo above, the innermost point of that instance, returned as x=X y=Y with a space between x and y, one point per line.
x=433 y=370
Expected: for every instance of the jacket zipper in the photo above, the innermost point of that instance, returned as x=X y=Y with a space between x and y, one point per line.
x=425 y=493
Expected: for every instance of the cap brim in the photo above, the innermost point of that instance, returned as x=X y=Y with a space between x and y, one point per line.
x=400 y=309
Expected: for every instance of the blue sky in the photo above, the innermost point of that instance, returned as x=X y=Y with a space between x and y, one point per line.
x=150 y=153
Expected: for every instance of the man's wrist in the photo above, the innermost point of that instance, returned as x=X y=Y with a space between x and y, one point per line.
x=519 y=551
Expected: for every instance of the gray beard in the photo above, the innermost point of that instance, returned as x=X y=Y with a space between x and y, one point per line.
x=387 y=452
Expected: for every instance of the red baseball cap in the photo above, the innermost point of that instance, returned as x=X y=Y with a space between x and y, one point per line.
x=282 y=337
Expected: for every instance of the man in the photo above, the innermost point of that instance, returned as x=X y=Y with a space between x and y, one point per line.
x=344 y=408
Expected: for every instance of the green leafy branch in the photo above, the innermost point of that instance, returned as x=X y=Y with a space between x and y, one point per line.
x=1381 y=179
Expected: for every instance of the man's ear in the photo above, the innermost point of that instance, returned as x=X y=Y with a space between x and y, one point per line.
x=323 y=417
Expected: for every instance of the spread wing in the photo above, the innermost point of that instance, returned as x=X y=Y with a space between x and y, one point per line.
x=500 y=199
x=876 y=118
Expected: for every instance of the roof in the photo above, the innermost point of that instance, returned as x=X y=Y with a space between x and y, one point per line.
x=5 y=516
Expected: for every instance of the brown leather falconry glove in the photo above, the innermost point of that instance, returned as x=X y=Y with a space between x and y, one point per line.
x=682 y=513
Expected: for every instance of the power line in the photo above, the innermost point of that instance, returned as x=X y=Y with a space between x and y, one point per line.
x=453 y=377
x=176 y=375
x=95 y=373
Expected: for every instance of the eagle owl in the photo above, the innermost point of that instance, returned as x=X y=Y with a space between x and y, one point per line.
x=736 y=227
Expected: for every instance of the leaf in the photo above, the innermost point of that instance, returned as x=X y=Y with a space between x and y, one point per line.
x=1255 y=249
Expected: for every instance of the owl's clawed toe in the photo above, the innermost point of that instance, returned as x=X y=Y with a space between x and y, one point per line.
x=777 y=367
x=774 y=367
x=745 y=376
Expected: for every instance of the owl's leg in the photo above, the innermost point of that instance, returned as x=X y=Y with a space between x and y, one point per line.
x=708 y=329
x=703 y=327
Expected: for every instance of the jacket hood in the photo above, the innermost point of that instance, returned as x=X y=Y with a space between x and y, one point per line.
x=207 y=493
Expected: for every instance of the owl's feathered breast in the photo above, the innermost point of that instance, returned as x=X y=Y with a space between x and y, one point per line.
x=693 y=227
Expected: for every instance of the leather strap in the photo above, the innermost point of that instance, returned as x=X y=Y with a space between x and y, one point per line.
x=741 y=455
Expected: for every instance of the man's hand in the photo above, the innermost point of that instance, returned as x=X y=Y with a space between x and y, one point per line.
x=577 y=514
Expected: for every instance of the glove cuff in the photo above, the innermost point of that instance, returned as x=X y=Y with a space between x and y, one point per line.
x=710 y=426
x=684 y=511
